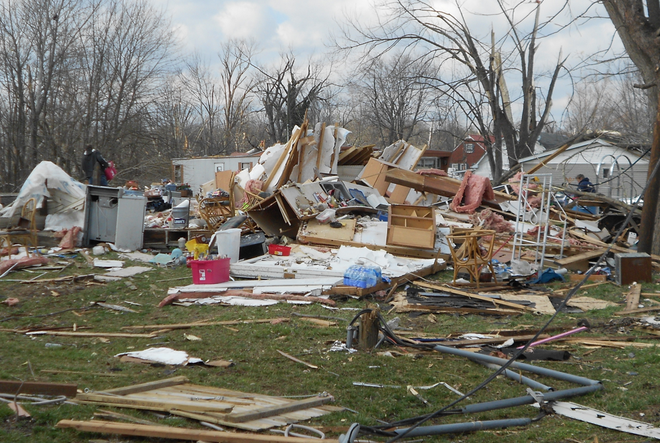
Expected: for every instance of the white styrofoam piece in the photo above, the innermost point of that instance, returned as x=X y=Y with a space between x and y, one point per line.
x=165 y=356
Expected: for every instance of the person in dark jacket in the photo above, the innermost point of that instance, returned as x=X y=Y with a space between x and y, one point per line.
x=92 y=157
x=584 y=184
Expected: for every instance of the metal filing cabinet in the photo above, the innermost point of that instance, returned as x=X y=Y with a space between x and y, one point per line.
x=115 y=217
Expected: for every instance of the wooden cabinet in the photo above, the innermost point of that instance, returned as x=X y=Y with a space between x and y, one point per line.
x=411 y=226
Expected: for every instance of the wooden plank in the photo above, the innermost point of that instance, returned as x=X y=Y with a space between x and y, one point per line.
x=466 y=311
x=163 y=405
x=174 y=433
x=92 y=334
x=270 y=411
x=638 y=311
x=632 y=297
x=39 y=388
x=320 y=230
x=291 y=357
x=445 y=186
x=475 y=296
x=580 y=262
x=141 y=387
x=304 y=237
x=209 y=323
x=319 y=149
x=592 y=277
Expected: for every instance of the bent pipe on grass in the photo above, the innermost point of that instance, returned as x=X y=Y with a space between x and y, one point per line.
x=588 y=386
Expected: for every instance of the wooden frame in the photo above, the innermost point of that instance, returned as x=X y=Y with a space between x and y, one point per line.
x=25 y=231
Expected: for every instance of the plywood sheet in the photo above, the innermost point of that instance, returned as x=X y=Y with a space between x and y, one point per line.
x=319 y=230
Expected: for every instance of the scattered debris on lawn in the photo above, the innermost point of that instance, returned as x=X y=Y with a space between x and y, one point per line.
x=295 y=227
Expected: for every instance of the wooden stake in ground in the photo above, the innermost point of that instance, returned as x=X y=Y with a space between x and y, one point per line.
x=368 y=330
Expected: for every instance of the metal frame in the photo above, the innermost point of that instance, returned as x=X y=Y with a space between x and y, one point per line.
x=540 y=217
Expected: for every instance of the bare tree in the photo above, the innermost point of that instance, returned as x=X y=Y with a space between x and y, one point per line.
x=287 y=93
x=236 y=88
x=205 y=95
x=472 y=67
x=395 y=100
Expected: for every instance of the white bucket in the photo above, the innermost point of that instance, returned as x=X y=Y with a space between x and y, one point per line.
x=229 y=243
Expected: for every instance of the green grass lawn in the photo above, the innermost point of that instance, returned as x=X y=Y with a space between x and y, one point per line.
x=631 y=377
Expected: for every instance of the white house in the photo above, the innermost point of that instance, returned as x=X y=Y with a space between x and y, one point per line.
x=198 y=170
x=617 y=172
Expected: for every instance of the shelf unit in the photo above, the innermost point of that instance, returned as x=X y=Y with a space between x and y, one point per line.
x=411 y=226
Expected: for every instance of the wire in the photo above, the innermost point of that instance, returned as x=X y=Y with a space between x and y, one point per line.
x=418 y=421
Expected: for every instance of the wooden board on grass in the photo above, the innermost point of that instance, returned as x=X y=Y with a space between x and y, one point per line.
x=253 y=412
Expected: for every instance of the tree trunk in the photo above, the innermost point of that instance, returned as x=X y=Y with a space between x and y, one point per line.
x=650 y=221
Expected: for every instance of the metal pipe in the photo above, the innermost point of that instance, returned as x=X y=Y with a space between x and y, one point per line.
x=520 y=378
x=463 y=427
x=528 y=399
x=523 y=366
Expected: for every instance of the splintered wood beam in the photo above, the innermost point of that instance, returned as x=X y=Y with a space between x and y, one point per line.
x=38 y=388
x=174 y=433
x=149 y=386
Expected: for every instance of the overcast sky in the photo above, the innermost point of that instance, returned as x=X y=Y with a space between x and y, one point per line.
x=305 y=26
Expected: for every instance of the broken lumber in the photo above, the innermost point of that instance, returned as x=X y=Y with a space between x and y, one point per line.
x=174 y=433
x=580 y=262
x=92 y=334
x=142 y=387
x=38 y=388
x=209 y=323
x=475 y=296
x=439 y=185
x=291 y=357
x=270 y=411
x=632 y=297
x=161 y=405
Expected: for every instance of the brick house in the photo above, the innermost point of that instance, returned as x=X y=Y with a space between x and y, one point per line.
x=468 y=152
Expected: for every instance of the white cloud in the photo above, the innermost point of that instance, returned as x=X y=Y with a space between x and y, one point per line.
x=245 y=20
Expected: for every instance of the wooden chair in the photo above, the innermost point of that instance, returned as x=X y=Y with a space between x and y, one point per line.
x=216 y=210
x=470 y=255
x=25 y=230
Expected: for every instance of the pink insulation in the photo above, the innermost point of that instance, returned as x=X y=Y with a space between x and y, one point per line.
x=472 y=191
x=492 y=221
